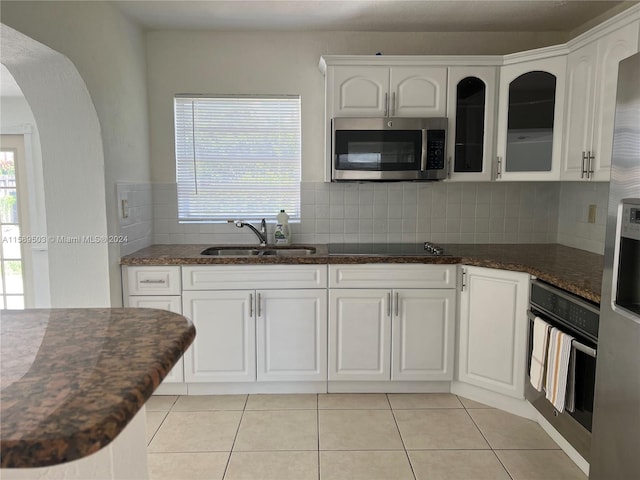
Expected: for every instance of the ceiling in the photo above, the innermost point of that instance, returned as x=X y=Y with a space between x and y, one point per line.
x=367 y=15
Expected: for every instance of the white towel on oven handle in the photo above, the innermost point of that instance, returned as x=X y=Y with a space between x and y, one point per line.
x=558 y=356
x=539 y=353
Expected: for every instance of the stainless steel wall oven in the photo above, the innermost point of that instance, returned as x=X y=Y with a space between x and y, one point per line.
x=580 y=319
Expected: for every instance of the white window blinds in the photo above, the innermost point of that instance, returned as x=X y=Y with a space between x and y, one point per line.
x=237 y=157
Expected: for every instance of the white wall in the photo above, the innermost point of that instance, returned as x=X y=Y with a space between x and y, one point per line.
x=108 y=51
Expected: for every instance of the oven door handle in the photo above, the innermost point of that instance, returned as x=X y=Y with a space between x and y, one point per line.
x=592 y=352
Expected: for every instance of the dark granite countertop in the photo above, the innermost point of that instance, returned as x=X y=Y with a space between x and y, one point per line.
x=72 y=379
x=571 y=269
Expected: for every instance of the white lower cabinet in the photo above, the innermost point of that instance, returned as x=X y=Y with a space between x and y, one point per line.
x=155 y=287
x=392 y=333
x=263 y=334
x=423 y=334
x=225 y=343
x=359 y=334
x=291 y=335
x=493 y=329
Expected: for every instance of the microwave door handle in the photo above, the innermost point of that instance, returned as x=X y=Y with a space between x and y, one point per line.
x=423 y=153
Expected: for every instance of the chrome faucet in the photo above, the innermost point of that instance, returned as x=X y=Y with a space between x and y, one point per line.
x=261 y=234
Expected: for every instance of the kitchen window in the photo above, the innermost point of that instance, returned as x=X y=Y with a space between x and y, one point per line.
x=237 y=157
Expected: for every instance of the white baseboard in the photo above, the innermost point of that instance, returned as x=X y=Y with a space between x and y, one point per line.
x=255 y=387
x=517 y=406
x=388 y=387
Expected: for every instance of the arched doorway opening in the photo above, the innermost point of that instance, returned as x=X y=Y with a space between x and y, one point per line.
x=72 y=170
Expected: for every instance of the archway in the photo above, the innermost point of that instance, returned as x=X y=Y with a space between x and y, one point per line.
x=73 y=169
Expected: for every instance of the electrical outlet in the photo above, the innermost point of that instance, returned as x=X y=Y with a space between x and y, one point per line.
x=125 y=208
x=592 y=214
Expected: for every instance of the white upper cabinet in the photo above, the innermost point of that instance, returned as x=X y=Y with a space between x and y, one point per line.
x=592 y=74
x=360 y=91
x=382 y=91
x=530 y=119
x=417 y=91
x=471 y=112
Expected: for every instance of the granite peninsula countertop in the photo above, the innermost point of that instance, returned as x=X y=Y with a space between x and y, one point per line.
x=72 y=379
x=571 y=269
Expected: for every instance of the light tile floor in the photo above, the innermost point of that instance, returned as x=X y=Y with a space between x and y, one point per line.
x=346 y=436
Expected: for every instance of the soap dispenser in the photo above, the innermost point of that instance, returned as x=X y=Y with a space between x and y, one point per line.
x=283 y=233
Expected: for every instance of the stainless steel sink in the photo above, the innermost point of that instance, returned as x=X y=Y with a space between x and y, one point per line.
x=231 y=251
x=242 y=251
x=290 y=252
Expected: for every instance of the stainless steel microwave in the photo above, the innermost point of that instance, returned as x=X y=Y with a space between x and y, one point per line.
x=385 y=149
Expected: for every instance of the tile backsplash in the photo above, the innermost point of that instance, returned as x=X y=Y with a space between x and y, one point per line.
x=138 y=226
x=517 y=212
x=574 y=230
x=523 y=212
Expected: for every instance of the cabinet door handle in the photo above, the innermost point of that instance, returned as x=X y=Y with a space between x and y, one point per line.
x=499 y=167
x=591 y=158
x=389 y=304
x=397 y=304
x=393 y=104
x=259 y=306
x=152 y=281
x=386 y=104
x=583 y=172
x=464 y=273
x=449 y=168
x=251 y=305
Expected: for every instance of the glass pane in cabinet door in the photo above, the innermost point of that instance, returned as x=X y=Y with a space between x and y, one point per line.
x=470 y=108
x=530 y=123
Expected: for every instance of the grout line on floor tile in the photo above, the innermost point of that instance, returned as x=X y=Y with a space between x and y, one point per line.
x=393 y=413
x=235 y=437
x=318 y=431
x=166 y=414
x=503 y=465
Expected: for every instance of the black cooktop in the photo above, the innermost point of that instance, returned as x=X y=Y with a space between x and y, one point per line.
x=407 y=249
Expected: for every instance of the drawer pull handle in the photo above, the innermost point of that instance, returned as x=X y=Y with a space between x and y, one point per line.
x=153 y=281
x=251 y=305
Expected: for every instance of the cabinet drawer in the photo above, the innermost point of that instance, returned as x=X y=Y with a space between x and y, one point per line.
x=152 y=280
x=392 y=276
x=236 y=277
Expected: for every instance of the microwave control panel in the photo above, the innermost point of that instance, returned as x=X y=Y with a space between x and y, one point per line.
x=435 y=149
x=630 y=224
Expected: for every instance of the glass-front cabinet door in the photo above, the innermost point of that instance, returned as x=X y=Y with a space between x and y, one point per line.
x=472 y=97
x=530 y=120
